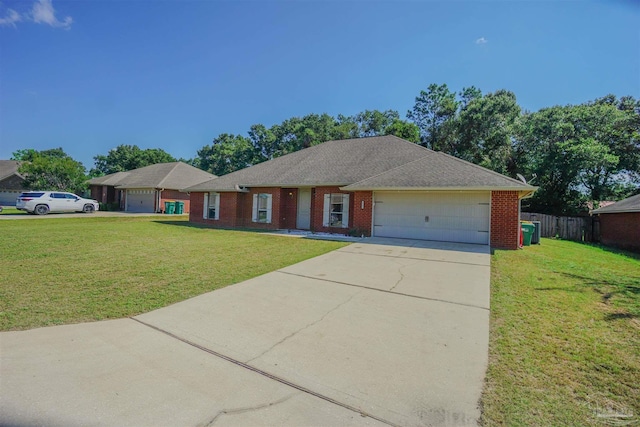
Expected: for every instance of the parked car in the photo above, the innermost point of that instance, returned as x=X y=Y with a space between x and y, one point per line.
x=43 y=202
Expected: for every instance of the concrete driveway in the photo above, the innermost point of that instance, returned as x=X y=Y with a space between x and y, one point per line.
x=387 y=332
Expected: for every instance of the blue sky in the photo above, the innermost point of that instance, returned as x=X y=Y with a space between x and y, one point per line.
x=89 y=75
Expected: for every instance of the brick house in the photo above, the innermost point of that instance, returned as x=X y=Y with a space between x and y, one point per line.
x=10 y=182
x=620 y=224
x=146 y=189
x=379 y=186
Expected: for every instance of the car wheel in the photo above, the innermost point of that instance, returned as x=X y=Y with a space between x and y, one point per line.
x=41 y=210
x=88 y=208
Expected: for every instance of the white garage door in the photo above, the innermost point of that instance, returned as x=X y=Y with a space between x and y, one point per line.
x=443 y=216
x=141 y=200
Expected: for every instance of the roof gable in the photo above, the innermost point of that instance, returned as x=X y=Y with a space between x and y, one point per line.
x=9 y=168
x=339 y=162
x=383 y=162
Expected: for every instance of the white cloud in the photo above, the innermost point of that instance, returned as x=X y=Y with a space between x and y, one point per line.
x=11 y=18
x=43 y=13
x=482 y=40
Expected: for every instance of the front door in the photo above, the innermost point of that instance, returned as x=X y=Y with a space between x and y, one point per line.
x=303 y=221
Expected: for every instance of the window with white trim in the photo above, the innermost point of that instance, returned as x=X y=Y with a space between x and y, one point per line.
x=211 y=206
x=336 y=210
x=262 y=208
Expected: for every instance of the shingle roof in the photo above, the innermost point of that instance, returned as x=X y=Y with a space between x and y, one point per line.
x=630 y=204
x=339 y=162
x=438 y=171
x=374 y=162
x=171 y=176
x=8 y=168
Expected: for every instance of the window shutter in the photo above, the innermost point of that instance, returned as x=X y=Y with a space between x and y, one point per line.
x=326 y=212
x=217 y=196
x=205 y=206
x=254 y=216
x=345 y=211
x=269 y=199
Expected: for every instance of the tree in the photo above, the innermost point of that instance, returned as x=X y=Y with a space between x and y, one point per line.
x=51 y=170
x=580 y=152
x=434 y=112
x=484 y=129
x=128 y=157
x=404 y=129
x=227 y=153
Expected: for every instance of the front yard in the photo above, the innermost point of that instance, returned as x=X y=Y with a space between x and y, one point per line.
x=565 y=337
x=565 y=317
x=55 y=271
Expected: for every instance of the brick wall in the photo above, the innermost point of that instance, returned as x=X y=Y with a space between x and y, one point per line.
x=246 y=205
x=196 y=202
x=172 y=196
x=505 y=221
x=362 y=215
x=317 y=208
x=621 y=230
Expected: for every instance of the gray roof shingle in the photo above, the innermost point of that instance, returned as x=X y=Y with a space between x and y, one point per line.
x=8 y=168
x=371 y=163
x=171 y=176
x=439 y=171
x=630 y=204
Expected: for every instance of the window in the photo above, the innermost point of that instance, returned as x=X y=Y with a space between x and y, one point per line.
x=336 y=210
x=211 y=206
x=262 y=208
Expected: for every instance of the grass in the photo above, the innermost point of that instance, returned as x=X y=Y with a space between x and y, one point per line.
x=565 y=337
x=6 y=210
x=59 y=271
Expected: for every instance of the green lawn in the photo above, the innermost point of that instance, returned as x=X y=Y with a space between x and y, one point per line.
x=7 y=210
x=565 y=337
x=69 y=270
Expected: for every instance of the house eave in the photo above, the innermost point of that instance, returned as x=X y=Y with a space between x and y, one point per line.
x=524 y=192
x=616 y=211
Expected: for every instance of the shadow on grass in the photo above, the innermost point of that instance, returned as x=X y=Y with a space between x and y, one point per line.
x=188 y=224
x=626 y=289
x=613 y=250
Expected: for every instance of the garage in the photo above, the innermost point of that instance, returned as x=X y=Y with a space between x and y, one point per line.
x=437 y=215
x=8 y=197
x=141 y=200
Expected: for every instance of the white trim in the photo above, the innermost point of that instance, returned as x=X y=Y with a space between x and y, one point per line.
x=254 y=209
x=205 y=206
x=345 y=211
x=326 y=209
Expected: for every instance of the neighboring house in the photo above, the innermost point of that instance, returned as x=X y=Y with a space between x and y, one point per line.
x=11 y=182
x=146 y=189
x=379 y=186
x=620 y=223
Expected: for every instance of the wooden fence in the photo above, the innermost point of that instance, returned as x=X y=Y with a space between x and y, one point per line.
x=578 y=228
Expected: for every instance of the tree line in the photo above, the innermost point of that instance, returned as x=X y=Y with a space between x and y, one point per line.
x=573 y=153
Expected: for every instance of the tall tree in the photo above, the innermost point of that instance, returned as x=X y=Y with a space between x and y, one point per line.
x=227 y=153
x=129 y=157
x=51 y=170
x=434 y=112
x=485 y=126
x=404 y=129
x=578 y=152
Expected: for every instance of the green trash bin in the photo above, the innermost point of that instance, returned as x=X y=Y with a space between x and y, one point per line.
x=169 y=208
x=527 y=232
x=179 y=208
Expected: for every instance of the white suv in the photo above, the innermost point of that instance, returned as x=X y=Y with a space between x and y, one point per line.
x=43 y=202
